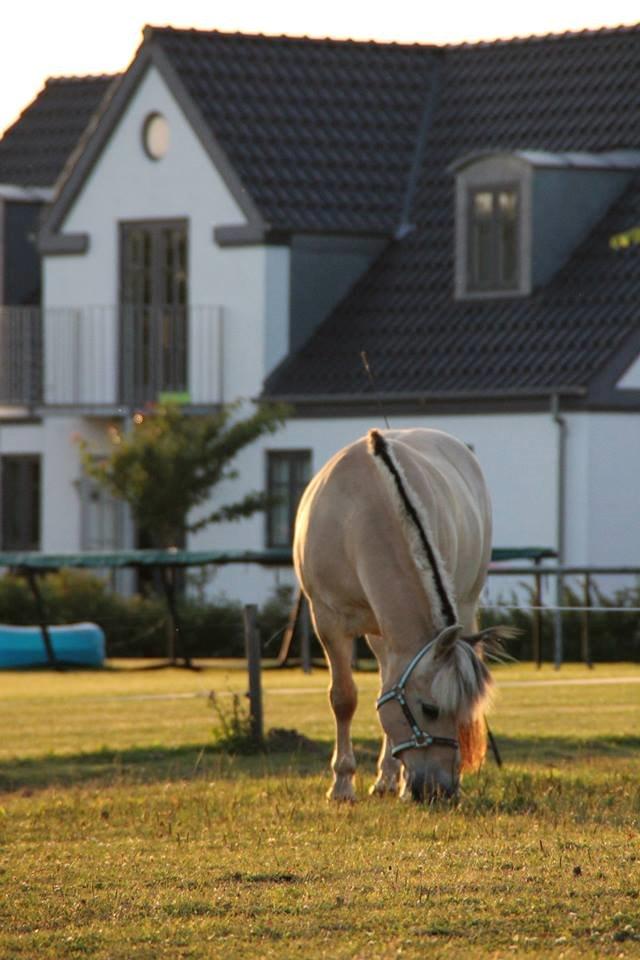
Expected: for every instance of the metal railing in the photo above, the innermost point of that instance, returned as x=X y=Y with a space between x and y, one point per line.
x=537 y=608
x=109 y=356
x=20 y=356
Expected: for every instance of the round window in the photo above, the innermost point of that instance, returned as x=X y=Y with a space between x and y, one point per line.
x=155 y=136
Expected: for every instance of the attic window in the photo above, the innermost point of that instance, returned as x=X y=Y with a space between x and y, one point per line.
x=155 y=136
x=493 y=239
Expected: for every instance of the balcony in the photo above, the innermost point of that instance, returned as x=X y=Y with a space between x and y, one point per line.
x=103 y=359
x=20 y=357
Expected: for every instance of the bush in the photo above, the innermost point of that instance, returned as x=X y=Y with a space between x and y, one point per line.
x=137 y=626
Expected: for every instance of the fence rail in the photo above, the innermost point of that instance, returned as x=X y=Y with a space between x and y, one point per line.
x=537 y=608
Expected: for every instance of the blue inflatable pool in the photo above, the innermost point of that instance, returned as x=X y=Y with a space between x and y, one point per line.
x=81 y=643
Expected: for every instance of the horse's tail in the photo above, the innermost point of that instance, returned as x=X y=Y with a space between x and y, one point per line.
x=416 y=529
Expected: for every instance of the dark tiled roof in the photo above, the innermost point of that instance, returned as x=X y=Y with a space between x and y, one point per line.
x=34 y=150
x=321 y=132
x=570 y=93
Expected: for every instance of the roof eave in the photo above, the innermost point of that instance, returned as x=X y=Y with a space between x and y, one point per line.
x=266 y=234
x=427 y=396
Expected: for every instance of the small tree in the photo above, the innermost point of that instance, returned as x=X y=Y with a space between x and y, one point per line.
x=167 y=465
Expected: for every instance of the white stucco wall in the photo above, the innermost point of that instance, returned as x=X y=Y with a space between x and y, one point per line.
x=60 y=497
x=21 y=439
x=614 y=489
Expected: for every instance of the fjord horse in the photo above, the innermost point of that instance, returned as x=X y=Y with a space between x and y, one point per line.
x=393 y=541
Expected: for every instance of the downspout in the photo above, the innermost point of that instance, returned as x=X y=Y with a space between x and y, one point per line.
x=561 y=501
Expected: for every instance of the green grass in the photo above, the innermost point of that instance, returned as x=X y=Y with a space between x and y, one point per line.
x=124 y=833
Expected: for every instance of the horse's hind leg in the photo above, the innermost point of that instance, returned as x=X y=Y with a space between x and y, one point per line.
x=343 y=697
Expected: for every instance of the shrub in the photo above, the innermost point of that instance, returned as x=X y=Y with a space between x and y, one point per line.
x=136 y=626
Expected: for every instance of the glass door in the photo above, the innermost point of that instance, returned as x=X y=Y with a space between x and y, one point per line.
x=153 y=310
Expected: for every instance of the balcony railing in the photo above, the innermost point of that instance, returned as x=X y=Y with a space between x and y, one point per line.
x=110 y=357
x=20 y=357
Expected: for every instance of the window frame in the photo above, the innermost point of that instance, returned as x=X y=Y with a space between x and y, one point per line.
x=96 y=503
x=294 y=491
x=27 y=496
x=154 y=309
x=488 y=171
x=495 y=283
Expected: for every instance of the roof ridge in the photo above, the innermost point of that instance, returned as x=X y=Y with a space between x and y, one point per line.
x=620 y=29
x=79 y=78
x=149 y=30
x=544 y=37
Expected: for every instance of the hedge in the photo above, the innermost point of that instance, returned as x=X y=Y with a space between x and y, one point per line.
x=136 y=626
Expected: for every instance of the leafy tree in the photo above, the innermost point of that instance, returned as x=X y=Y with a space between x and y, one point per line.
x=167 y=465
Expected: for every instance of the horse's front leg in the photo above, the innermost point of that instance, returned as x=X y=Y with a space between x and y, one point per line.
x=388 y=771
x=388 y=767
x=343 y=696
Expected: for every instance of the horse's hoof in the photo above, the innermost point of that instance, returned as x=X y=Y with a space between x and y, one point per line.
x=341 y=796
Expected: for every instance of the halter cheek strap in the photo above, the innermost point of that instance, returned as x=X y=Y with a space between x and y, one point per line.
x=421 y=739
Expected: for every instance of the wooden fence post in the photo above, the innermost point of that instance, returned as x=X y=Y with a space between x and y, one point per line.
x=252 y=648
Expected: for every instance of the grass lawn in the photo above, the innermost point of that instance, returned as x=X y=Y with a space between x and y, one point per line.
x=124 y=833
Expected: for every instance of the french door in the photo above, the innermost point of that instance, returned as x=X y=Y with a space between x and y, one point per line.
x=153 y=310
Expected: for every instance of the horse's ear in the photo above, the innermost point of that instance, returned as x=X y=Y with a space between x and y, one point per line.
x=446 y=641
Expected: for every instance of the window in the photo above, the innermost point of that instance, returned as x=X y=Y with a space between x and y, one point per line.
x=155 y=136
x=288 y=473
x=20 y=497
x=102 y=517
x=153 y=308
x=492 y=240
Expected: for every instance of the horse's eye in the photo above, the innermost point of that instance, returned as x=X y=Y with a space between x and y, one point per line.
x=430 y=711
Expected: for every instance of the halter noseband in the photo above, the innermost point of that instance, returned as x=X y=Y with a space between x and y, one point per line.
x=421 y=738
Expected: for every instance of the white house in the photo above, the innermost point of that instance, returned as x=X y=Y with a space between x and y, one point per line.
x=244 y=216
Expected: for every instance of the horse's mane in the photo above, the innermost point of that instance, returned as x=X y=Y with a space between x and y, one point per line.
x=415 y=527
x=463 y=687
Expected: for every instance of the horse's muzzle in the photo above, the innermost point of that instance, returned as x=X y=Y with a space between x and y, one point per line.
x=425 y=789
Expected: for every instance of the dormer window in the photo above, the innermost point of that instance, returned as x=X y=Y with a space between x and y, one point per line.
x=520 y=216
x=493 y=227
x=493 y=238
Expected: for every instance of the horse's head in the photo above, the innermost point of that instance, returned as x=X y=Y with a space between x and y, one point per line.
x=434 y=715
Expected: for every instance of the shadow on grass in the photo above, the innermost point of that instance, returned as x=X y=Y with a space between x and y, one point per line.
x=205 y=761
x=154 y=764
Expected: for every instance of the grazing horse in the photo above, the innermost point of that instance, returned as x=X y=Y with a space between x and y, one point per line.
x=393 y=541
